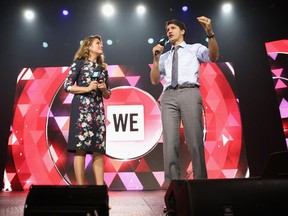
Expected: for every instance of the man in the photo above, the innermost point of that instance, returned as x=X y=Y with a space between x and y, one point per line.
x=182 y=101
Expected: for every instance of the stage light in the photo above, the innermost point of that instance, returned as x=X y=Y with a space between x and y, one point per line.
x=227 y=7
x=108 y=10
x=109 y=42
x=45 y=44
x=184 y=8
x=29 y=14
x=141 y=9
x=150 y=40
x=65 y=12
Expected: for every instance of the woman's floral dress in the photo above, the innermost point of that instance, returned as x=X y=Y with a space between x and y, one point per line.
x=87 y=129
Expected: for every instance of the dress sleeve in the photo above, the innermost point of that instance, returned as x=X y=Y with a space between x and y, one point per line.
x=73 y=73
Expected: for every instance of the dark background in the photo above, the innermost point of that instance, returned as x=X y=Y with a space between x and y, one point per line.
x=241 y=39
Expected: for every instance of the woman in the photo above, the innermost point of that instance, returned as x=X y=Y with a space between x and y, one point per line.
x=88 y=81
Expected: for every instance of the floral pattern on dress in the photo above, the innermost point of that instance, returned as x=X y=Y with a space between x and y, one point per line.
x=87 y=130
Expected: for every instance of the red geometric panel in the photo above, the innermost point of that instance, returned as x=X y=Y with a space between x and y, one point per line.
x=37 y=144
x=277 y=52
x=223 y=122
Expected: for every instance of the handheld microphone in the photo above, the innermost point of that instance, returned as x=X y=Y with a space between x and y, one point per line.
x=97 y=74
x=163 y=41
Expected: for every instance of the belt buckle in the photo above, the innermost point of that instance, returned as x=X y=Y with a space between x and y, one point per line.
x=174 y=88
x=189 y=86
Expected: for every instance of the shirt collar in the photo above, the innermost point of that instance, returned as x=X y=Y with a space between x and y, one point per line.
x=182 y=44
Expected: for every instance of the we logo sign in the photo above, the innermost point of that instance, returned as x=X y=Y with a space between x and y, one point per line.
x=133 y=123
x=126 y=123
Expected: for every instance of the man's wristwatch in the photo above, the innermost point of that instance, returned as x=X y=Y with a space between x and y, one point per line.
x=211 y=36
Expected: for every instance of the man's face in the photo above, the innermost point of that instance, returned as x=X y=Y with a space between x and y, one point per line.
x=174 y=33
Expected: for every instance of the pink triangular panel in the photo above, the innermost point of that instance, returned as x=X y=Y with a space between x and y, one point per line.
x=132 y=80
x=231 y=121
x=14 y=139
x=23 y=108
x=211 y=163
x=280 y=84
x=88 y=160
x=229 y=173
x=45 y=110
x=10 y=176
x=277 y=72
x=36 y=135
x=273 y=55
x=210 y=74
x=61 y=121
x=130 y=180
x=159 y=176
x=109 y=177
x=28 y=75
x=210 y=146
x=284 y=103
x=68 y=99
x=224 y=139
x=115 y=71
x=284 y=112
x=65 y=134
x=213 y=100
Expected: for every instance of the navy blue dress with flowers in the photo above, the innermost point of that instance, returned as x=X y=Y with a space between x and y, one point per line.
x=87 y=129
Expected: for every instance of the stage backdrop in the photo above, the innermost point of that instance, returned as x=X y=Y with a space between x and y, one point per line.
x=277 y=54
x=134 y=160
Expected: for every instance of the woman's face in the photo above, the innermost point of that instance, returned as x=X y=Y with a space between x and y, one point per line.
x=96 y=47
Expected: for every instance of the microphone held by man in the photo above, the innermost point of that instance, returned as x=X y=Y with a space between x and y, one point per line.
x=163 y=41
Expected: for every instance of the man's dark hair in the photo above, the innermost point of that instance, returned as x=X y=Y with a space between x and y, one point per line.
x=180 y=24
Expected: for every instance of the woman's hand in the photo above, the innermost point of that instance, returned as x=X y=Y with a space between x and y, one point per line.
x=93 y=86
x=101 y=85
